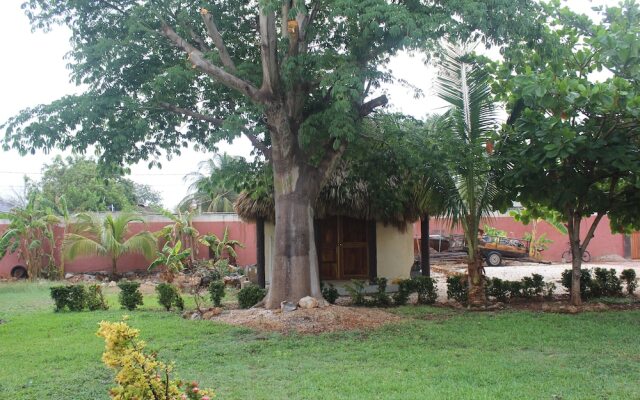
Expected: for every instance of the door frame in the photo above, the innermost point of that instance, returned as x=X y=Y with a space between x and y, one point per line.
x=369 y=244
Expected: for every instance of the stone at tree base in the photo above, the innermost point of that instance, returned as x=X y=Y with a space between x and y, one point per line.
x=68 y=275
x=308 y=302
x=112 y=284
x=287 y=306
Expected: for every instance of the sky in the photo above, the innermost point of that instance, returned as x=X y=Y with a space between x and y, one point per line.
x=33 y=71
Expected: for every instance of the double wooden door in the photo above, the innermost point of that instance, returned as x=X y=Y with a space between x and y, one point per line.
x=635 y=245
x=343 y=251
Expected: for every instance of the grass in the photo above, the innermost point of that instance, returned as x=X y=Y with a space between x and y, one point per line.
x=436 y=354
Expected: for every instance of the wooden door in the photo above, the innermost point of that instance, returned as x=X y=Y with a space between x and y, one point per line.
x=343 y=251
x=635 y=245
x=354 y=258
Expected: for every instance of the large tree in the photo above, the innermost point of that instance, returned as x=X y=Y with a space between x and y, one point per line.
x=296 y=77
x=573 y=141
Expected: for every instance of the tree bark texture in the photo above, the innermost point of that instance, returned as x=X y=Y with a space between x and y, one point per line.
x=477 y=295
x=425 y=262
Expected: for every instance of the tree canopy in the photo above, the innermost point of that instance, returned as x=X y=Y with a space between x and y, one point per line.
x=573 y=145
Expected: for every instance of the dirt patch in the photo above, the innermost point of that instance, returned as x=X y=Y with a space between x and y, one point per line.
x=312 y=321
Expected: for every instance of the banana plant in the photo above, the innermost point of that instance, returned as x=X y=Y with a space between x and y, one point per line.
x=171 y=257
x=222 y=246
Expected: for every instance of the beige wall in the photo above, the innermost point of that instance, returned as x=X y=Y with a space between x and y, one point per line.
x=394 y=251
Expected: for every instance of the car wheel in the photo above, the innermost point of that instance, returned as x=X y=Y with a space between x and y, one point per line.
x=494 y=259
x=19 y=272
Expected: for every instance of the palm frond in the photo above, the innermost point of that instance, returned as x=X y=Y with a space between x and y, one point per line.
x=75 y=245
x=141 y=243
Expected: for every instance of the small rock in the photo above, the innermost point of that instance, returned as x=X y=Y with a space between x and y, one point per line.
x=195 y=316
x=212 y=312
x=308 y=302
x=287 y=306
x=112 y=284
x=68 y=275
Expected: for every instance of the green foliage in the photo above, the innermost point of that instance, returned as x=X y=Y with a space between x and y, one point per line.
x=458 y=288
x=494 y=232
x=216 y=291
x=355 y=289
x=107 y=237
x=549 y=288
x=532 y=286
x=380 y=298
x=212 y=186
x=171 y=257
x=88 y=188
x=605 y=283
x=405 y=288
x=250 y=295
x=95 y=298
x=169 y=296
x=498 y=289
x=426 y=288
x=629 y=277
x=30 y=234
x=329 y=292
x=130 y=296
x=60 y=295
x=223 y=247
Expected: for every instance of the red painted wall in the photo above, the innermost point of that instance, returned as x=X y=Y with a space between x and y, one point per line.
x=604 y=242
x=205 y=223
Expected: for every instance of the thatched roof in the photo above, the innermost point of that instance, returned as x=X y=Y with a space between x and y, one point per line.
x=346 y=195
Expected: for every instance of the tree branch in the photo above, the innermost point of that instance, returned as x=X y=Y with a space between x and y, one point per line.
x=258 y=144
x=590 y=233
x=214 y=34
x=199 y=61
x=368 y=107
x=268 y=53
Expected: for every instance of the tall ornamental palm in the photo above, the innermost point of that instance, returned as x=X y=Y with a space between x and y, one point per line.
x=107 y=236
x=461 y=185
x=209 y=188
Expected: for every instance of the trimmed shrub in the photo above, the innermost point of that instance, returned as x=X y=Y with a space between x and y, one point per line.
x=405 y=287
x=95 y=298
x=629 y=277
x=77 y=299
x=250 y=295
x=216 y=292
x=514 y=288
x=130 y=297
x=458 y=288
x=330 y=293
x=605 y=283
x=532 y=286
x=498 y=289
x=169 y=296
x=426 y=288
x=356 y=292
x=60 y=295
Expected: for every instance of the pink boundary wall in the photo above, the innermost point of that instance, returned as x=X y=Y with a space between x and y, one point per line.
x=204 y=223
x=604 y=242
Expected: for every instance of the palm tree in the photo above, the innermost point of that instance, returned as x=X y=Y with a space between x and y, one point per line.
x=108 y=237
x=460 y=186
x=209 y=189
x=181 y=229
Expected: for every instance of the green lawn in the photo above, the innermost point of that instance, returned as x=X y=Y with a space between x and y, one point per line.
x=435 y=354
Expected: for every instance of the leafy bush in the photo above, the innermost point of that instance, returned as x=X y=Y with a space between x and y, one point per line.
x=426 y=288
x=585 y=281
x=216 y=291
x=95 y=299
x=381 y=298
x=330 y=293
x=498 y=289
x=629 y=277
x=130 y=297
x=458 y=288
x=405 y=287
x=605 y=283
x=77 y=299
x=549 y=288
x=532 y=286
x=514 y=288
x=140 y=375
x=356 y=292
x=60 y=295
x=250 y=295
x=169 y=296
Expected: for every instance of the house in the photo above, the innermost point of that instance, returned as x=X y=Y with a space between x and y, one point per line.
x=357 y=237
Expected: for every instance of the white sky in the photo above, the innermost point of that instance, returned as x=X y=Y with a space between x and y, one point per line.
x=33 y=72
